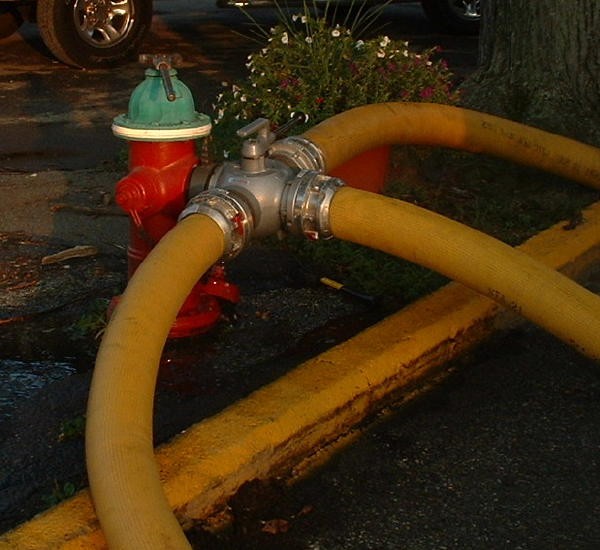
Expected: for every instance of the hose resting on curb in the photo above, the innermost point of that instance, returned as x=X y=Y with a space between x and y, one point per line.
x=344 y=136
x=124 y=480
x=492 y=268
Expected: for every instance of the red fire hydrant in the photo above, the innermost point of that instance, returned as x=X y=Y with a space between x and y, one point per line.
x=162 y=127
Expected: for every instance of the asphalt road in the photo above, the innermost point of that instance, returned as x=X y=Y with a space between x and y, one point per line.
x=57 y=117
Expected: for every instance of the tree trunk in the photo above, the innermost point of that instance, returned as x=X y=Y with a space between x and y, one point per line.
x=539 y=63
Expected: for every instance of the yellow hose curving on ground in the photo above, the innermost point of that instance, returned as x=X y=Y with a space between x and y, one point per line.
x=479 y=261
x=124 y=480
x=344 y=136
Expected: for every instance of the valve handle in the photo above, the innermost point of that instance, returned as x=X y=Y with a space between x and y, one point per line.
x=295 y=118
x=260 y=126
x=163 y=63
x=254 y=150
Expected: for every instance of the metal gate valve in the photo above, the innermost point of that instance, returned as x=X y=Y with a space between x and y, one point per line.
x=261 y=195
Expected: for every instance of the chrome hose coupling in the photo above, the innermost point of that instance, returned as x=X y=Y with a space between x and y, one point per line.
x=229 y=212
x=298 y=152
x=305 y=204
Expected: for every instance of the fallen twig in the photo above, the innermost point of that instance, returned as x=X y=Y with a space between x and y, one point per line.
x=80 y=251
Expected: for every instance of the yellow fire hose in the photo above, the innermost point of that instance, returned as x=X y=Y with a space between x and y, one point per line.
x=492 y=268
x=344 y=136
x=124 y=480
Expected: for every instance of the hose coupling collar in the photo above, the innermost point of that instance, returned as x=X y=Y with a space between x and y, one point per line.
x=298 y=152
x=229 y=212
x=305 y=204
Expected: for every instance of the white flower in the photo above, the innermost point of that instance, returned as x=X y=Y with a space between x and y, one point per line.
x=225 y=153
x=225 y=84
x=243 y=98
x=295 y=17
x=335 y=33
x=384 y=41
x=303 y=19
x=308 y=40
x=284 y=38
x=429 y=63
x=359 y=44
x=405 y=53
x=264 y=51
x=220 y=114
x=380 y=53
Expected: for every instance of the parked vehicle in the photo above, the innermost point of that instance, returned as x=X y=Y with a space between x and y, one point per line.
x=96 y=33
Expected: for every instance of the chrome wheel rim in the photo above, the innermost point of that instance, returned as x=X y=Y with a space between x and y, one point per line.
x=103 y=23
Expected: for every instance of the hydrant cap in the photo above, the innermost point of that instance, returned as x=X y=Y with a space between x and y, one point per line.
x=152 y=117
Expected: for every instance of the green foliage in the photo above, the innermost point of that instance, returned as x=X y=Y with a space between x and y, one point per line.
x=59 y=493
x=309 y=66
x=72 y=428
x=92 y=323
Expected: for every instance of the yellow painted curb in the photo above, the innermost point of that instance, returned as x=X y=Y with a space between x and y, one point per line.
x=283 y=423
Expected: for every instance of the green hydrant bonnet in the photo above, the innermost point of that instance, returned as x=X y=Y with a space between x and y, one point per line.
x=152 y=117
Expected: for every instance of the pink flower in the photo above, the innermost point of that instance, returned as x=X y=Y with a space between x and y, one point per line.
x=426 y=92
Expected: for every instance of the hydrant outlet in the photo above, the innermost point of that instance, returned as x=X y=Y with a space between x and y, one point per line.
x=130 y=195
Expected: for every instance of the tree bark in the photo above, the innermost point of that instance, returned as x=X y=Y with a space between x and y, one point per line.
x=539 y=63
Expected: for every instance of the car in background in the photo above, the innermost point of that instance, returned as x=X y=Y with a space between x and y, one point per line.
x=100 y=33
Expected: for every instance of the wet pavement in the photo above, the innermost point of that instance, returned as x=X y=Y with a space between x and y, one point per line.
x=504 y=454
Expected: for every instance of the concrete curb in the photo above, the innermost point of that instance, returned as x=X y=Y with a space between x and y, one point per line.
x=284 y=423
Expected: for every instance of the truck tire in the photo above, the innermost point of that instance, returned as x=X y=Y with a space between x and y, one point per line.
x=94 y=33
x=455 y=16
